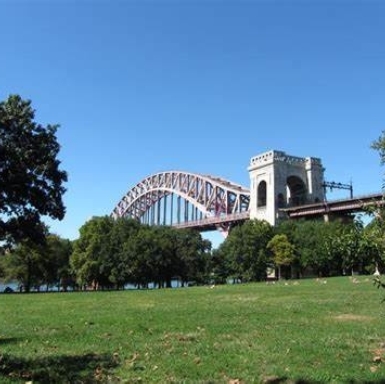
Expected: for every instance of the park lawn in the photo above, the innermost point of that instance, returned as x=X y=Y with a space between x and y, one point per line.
x=306 y=331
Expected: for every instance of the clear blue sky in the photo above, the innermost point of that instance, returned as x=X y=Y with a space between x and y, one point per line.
x=140 y=87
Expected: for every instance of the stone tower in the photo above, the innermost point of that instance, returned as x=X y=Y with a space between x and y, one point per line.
x=278 y=180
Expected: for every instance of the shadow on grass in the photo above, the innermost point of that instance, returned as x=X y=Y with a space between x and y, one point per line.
x=8 y=340
x=83 y=369
x=285 y=380
x=94 y=368
x=379 y=381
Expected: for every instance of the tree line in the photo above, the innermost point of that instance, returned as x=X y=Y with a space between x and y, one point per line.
x=111 y=254
x=300 y=248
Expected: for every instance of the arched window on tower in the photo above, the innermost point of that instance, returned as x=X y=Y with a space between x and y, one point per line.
x=261 y=194
x=296 y=191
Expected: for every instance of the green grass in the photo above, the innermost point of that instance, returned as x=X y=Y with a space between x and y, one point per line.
x=300 y=332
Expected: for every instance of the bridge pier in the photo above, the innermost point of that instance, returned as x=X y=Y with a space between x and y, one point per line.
x=278 y=180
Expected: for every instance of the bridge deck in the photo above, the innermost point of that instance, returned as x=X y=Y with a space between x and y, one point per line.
x=211 y=223
x=342 y=206
x=355 y=204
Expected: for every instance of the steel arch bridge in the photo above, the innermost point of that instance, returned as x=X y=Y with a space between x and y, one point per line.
x=183 y=199
x=205 y=202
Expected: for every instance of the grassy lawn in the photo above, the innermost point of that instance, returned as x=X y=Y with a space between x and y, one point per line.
x=326 y=331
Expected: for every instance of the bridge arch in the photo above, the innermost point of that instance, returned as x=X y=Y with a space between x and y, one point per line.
x=296 y=191
x=174 y=197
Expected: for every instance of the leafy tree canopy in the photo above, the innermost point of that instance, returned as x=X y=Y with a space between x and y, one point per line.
x=379 y=145
x=245 y=250
x=31 y=182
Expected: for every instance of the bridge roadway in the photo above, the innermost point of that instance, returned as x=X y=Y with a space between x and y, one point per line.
x=213 y=222
x=334 y=207
x=337 y=207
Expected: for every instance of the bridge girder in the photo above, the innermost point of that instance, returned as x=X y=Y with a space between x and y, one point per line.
x=211 y=195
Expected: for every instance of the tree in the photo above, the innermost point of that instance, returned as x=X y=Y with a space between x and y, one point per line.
x=33 y=265
x=379 y=145
x=159 y=254
x=313 y=242
x=374 y=244
x=141 y=253
x=24 y=263
x=31 y=183
x=90 y=257
x=282 y=250
x=245 y=251
x=153 y=256
x=56 y=268
x=219 y=267
x=193 y=255
x=123 y=231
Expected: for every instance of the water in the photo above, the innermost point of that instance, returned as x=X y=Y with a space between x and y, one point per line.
x=12 y=284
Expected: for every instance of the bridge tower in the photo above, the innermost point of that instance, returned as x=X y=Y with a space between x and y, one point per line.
x=278 y=180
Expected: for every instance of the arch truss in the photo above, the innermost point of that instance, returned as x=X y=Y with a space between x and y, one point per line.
x=173 y=198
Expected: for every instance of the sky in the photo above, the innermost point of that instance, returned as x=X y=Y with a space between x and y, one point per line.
x=144 y=86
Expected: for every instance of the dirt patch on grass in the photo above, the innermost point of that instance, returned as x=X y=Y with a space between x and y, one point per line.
x=239 y=298
x=352 y=317
x=184 y=337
